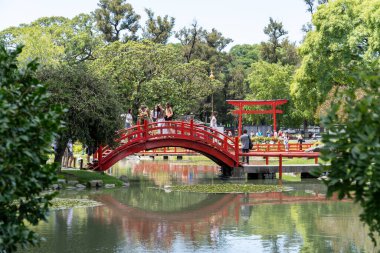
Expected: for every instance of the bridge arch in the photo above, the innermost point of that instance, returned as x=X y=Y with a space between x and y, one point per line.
x=218 y=147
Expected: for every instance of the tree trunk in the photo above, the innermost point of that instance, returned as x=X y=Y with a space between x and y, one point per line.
x=305 y=124
x=59 y=152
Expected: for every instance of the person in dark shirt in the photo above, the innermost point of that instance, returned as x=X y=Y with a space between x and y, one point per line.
x=244 y=139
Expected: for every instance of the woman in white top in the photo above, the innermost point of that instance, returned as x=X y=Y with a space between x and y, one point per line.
x=213 y=123
x=128 y=119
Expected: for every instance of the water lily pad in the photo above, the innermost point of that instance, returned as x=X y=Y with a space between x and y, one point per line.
x=226 y=188
x=63 y=203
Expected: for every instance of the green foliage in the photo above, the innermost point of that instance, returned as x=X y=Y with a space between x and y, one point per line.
x=203 y=45
x=263 y=139
x=352 y=145
x=116 y=18
x=245 y=54
x=276 y=50
x=158 y=30
x=27 y=125
x=92 y=108
x=55 y=39
x=149 y=73
x=39 y=41
x=271 y=81
x=346 y=37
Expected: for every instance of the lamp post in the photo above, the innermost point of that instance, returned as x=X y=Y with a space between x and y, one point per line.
x=212 y=78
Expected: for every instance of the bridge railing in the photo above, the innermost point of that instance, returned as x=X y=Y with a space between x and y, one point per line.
x=176 y=129
x=280 y=147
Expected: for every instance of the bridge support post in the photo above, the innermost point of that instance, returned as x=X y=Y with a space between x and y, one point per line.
x=237 y=150
x=280 y=166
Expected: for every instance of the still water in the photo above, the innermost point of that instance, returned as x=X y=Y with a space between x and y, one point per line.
x=142 y=218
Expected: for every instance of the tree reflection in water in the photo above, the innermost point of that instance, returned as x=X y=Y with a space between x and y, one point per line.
x=145 y=219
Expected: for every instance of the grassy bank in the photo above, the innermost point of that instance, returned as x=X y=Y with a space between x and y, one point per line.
x=83 y=176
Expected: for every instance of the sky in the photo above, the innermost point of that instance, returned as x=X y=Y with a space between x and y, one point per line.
x=241 y=20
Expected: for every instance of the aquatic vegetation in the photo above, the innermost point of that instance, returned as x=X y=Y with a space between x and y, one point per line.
x=63 y=203
x=226 y=188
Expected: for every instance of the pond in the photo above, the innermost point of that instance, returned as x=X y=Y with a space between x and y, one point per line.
x=146 y=218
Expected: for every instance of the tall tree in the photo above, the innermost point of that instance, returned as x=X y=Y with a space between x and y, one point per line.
x=80 y=38
x=40 y=40
x=92 y=109
x=345 y=39
x=55 y=39
x=26 y=118
x=189 y=38
x=311 y=8
x=117 y=20
x=275 y=31
x=158 y=29
x=149 y=73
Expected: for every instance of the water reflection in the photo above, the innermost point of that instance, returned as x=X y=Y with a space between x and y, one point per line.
x=145 y=219
x=164 y=173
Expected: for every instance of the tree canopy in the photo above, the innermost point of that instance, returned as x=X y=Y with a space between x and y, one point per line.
x=149 y=73
x=345 y=40
x=117 y=20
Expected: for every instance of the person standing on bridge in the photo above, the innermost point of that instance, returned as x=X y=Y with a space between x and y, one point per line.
x=245 y=139
x=213 y=122
x=169 y=114
x=143 y=115
x=286 y=142
x=128 y=119
x=160 y=118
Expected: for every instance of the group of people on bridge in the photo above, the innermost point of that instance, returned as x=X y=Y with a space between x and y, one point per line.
x=157 y=114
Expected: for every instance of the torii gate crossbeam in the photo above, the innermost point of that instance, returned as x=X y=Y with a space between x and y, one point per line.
x=240 y=111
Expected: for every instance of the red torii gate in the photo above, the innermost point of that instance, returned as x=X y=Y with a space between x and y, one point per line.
x=242 y=103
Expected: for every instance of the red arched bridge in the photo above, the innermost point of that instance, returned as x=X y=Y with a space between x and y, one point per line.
x=217 y=146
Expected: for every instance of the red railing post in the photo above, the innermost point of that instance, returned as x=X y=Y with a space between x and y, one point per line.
x=280 y=166
x=100 y=154
x=267 y=160
x=316 y=160
x=191 y=129
x=145 y=134
x=182 y=128
x=138 y=130
x=237 y=150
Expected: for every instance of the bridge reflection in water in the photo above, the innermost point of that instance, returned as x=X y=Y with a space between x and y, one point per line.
x=142 y=218
x=268 y=219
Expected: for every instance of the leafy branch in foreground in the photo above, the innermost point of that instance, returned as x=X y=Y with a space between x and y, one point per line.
x=352 y=144
x=27 y=126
